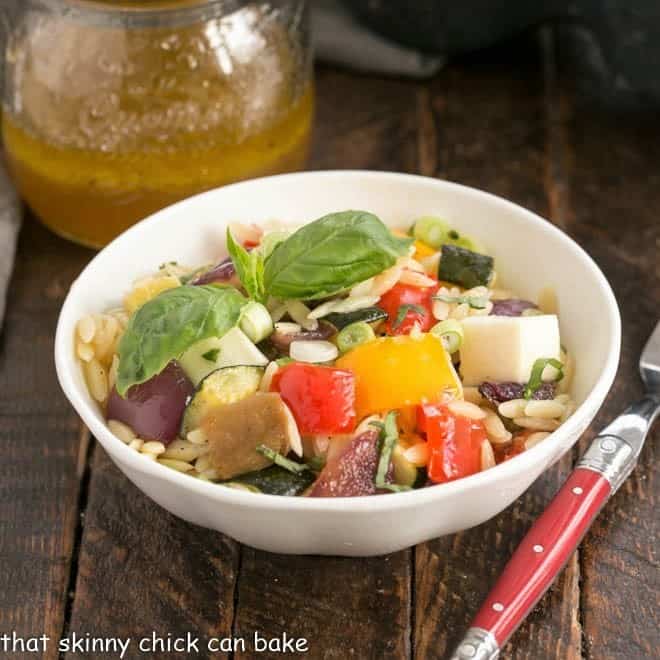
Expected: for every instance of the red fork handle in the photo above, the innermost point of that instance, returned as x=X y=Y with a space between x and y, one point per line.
x=536 y=562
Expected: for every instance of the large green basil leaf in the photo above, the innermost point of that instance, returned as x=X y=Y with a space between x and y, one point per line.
x=331 y=255
x=163 y=328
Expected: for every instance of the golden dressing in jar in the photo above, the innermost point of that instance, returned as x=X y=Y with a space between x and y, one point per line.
x=109 y=124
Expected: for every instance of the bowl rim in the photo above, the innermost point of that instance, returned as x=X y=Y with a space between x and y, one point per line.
x=365 y=503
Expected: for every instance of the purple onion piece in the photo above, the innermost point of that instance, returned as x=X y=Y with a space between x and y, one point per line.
x=154 y=409
x=222 y=272
x=497 y=393
x=511 y=307
x=282 y=341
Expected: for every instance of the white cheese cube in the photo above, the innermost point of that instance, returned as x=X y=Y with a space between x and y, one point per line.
x=503 y=348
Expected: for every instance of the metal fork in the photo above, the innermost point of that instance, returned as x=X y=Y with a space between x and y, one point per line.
x=544 y=551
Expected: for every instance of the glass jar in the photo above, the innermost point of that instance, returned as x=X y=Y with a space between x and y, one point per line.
x=113 y=110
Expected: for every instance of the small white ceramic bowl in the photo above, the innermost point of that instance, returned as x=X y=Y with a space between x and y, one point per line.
x=530 y=254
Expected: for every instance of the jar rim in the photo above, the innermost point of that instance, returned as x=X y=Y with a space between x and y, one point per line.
x=156 y=13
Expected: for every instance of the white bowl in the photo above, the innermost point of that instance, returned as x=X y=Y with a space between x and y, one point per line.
x=530 y=254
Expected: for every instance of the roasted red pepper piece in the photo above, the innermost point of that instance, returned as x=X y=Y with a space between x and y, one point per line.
x=406 y=294
x=322 y=399
x=454 y=443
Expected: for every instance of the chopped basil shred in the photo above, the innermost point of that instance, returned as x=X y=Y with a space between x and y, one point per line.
x=389 y=436
x=282 y=461
x=316 y=463
x=212 y=355
x=403 y=311
x=536 y=377
x=475 y=302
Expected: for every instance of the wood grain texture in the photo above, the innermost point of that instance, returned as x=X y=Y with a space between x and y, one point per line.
x=503 y=121
x=364 y=123
x=611 y=162
x=43 y=448
x=345 y=608
x=143 y=571
x=490 y=124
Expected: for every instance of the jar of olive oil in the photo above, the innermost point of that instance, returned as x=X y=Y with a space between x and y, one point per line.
x=115 y=109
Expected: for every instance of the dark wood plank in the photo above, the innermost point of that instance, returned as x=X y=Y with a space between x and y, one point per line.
x=344 y=607
x=614 y=193
x=143 y=571
x=364 y=123
x=490 y=125
x=43 y=446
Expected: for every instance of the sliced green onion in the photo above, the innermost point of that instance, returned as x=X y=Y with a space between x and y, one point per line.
x=463 y=241
x=256 y=322
x=436 y=233
x=354 y=335
x=389 y=436
x=430 y=230
x=282 y=461
x=403 y=311
x=475 y=302
x=536 y=378
x=451 y=333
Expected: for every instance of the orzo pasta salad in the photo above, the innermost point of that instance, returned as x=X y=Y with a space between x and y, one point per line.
x=339 y=359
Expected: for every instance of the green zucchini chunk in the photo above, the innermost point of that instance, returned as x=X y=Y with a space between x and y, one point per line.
x=275 y=480
x=368 y=315
x=464 y=267
x=220 y=387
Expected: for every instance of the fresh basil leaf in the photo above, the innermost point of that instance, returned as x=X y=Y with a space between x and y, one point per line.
x=249 y=268
x=330 y=255
x=163 y=328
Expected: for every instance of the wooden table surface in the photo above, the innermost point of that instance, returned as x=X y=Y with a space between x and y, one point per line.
x=82 y=550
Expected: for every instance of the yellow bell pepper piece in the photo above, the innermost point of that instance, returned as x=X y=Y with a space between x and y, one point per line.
x=393 y=372
x=146 y=289
x=423 y=250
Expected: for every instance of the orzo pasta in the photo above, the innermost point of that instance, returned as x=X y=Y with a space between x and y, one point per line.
x=340 y=359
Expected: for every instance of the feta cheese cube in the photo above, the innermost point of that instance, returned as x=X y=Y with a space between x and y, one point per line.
x=503 y=348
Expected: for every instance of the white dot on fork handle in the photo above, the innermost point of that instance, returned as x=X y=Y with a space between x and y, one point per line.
x=538 y=548
x=498 y=607
x=577 y=491
x=468 y=650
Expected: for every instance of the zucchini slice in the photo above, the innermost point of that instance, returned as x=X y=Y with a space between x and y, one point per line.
x=223 y=386
x=209 y=355
x=464 y=267
x=368 y=315
x=275 y=480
